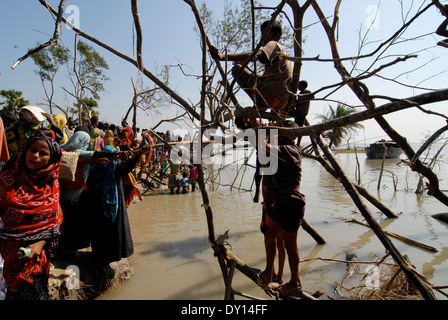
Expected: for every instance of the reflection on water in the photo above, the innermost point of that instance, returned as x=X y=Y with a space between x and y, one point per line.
x=174 y=260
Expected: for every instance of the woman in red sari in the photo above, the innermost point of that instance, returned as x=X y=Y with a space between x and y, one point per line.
x=29 y=208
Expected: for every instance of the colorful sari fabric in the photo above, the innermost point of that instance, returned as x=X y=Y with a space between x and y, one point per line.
x=125 y=139
x=130 y=188
x=29 y=208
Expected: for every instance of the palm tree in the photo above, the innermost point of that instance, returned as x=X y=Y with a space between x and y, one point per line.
x=13 y=101
x=337 y=135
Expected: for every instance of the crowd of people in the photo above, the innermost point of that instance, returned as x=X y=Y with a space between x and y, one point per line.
x=43 y=214
x=65 y=187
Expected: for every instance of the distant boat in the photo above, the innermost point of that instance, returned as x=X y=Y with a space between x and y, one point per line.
x=376 y=150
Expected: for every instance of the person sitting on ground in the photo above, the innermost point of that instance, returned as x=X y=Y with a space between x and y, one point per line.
x=287 y=210
x=270 y=90
x=29 y=208
x=442 y=29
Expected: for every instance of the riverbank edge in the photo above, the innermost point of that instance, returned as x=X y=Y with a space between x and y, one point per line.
x=78 y=277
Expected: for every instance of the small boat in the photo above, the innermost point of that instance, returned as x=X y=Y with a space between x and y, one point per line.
x=376 y=150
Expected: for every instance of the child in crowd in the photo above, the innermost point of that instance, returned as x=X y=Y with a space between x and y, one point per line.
x=184 y=182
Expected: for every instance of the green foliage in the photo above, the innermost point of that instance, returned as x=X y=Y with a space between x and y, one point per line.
x=13 y=101
x=91 y=67
x=337 y=135
x=234 y=31
x=49 y=60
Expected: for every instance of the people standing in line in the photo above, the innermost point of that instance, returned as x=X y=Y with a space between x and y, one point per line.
x=61 y=121
x=69 y=128
x=96 y=142
x=109 y=136
x=128 y=134
x=74 y=235
x=287 y=210
x=270 y=90
x=29 y=209
x=110 y=232
x=93 y=123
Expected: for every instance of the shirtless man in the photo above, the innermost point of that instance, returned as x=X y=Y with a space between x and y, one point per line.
x=287 y=211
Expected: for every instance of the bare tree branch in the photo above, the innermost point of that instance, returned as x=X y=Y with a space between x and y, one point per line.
x=53 y=40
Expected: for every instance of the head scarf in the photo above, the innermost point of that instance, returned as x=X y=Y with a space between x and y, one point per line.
x=109 y=138
x=30 y=198
x=61 y=121
x=82 y=128
x=80 y=141
x=95 y=141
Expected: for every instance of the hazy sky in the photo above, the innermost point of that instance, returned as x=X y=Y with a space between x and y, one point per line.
x=169 y=39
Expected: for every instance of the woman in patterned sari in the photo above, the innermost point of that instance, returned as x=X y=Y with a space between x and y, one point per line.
x=29 y=208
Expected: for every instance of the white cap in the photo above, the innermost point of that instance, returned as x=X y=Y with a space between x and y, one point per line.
x=36 y=112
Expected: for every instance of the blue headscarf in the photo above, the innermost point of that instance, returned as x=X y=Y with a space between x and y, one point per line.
x=80 y=142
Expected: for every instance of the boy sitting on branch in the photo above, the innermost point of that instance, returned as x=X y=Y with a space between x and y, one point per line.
x=270 y=90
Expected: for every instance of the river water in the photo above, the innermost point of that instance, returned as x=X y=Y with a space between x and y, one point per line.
x=173 y=259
